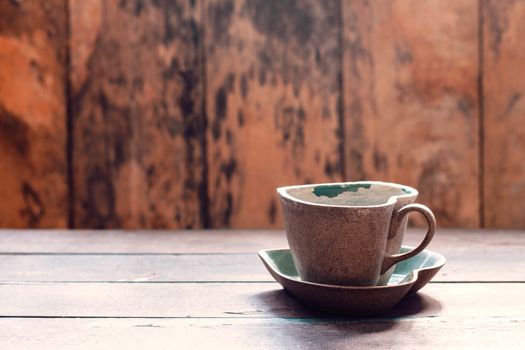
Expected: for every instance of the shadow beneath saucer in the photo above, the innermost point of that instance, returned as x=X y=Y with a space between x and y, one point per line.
x=279 y=303
x=418 y=304
x=292 y=324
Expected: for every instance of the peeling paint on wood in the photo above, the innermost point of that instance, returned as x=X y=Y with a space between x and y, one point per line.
x=32 y=114
x=504 y=111
x=410 y=90
x=272 y=78
x=138 y=126
x=294 y=92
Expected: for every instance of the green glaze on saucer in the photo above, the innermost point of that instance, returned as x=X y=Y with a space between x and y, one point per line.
x=409 y=276
x=282 y=261
x=335 y=190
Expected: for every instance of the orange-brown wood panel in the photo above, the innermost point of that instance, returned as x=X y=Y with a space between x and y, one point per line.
x=138 y=125
x=33 y=170
x=411 y=100
x=273 y=103
x=504 y=113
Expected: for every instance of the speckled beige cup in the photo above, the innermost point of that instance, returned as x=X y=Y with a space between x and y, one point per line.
x=350 y=233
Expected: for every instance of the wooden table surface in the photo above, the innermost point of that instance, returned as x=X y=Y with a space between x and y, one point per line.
x=208 y=289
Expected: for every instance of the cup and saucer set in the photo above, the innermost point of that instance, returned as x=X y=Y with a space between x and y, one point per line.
x=346 y=254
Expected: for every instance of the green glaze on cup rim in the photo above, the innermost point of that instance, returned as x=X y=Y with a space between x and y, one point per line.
x=348 y=194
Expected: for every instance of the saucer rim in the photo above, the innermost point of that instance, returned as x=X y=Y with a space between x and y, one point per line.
x=262 y=253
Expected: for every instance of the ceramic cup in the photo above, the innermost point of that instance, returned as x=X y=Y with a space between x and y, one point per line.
x=350 y=233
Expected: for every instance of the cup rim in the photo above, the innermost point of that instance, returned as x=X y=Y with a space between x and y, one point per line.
x=283 y=192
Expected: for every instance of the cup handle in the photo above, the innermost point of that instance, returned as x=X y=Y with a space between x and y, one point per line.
x=391 y=260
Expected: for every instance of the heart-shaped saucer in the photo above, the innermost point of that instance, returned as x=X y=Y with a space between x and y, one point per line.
x=409 y=276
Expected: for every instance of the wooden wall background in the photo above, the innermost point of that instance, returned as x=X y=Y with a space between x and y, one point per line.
x=189 y=113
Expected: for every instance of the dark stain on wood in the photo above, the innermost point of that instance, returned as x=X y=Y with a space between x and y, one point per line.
x=403 y=55
x=33 y=209
x=228 y=168
x=513 y=101
x=139 y=6
x=290 y=123
x=149 y=118
x=328 y=168
x=221 y=12
x=497 y=23
x=240 y=118
x=221 y=105
x=228 y=209
x=435 y=188
x=100 y=203
x=286 y=82
x=272 y=211
x=262 y=77
x=127 y=112
x=357 y=61
x=15 y=3
x=466 y=108
x=282 y=19
x=230 y=82
x=14 y=132
x=341 y=122
x=503 y=87
x=380 y=161
x=186 y=99
x=33 y=72
x=229 y=137
x=37 y=71
x=244 y=86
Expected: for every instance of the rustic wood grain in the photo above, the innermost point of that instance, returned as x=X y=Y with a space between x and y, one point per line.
x=272 y=333
x=273 y=104
x=504 y=113
x=463 y=264
x=143 y=241
x=138 y=126
x=33 y=114
x=411 y=100
x=240 y=315
x=446 y=241
x=446 y=301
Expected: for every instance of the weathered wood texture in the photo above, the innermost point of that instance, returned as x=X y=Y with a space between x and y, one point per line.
x=33 y=114
x=94 y=256
x=275 y=333
x=138 y=125
x=273 y=104
x=242 y=300
x=188 y=113
x=504 y=112
x=411 y=100
x=449 y=242
x=466 y=265
x=248 y=314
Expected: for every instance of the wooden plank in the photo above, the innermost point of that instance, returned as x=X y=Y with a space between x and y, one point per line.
x=446 y=241
x=138 y=128
x=33 y=114
x=132 y=268
x=272 y=333
x=467 y=264
x=447 y=301
x=411 y=100
x=273 y=104
x=504 y=108
x=112 y=241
